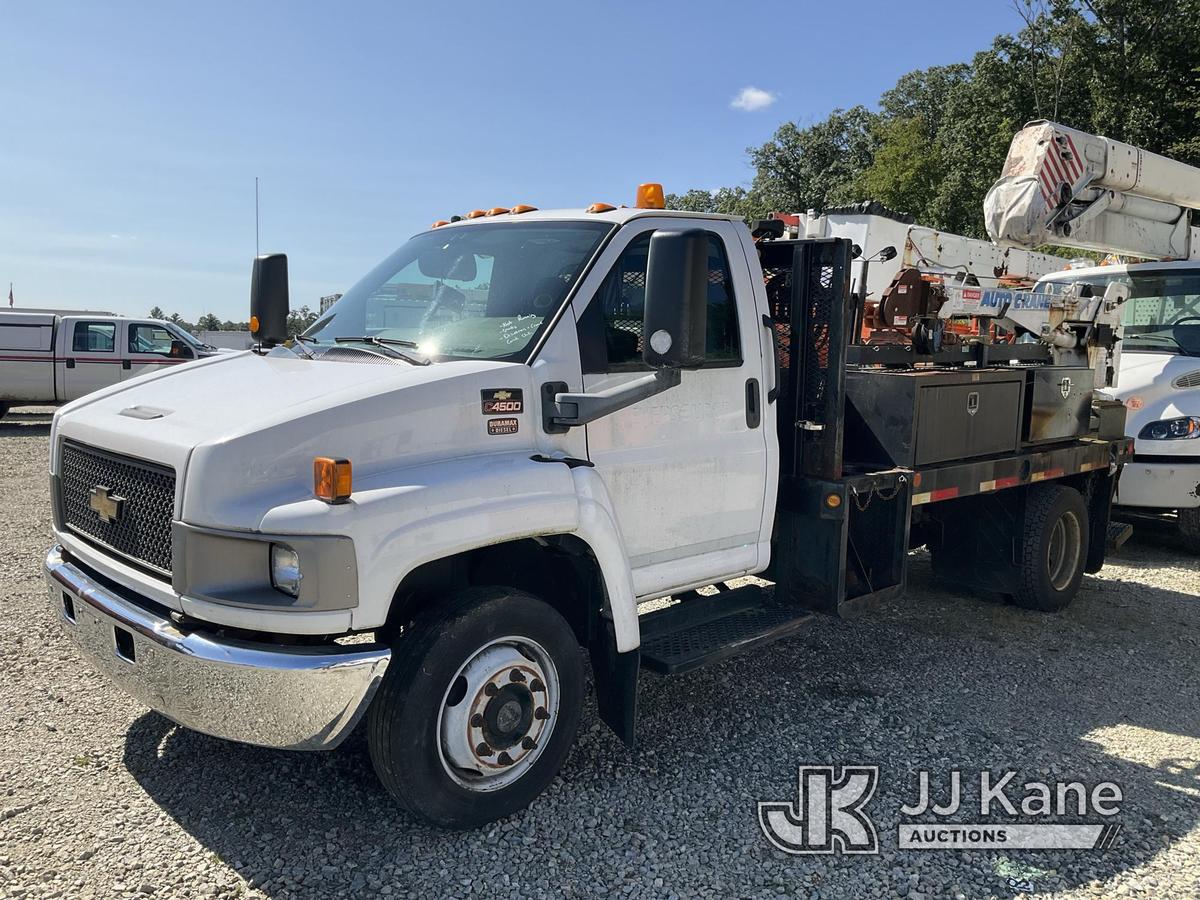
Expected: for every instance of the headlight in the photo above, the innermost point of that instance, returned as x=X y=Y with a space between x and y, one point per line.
x=285 y=569
x=1182 y=429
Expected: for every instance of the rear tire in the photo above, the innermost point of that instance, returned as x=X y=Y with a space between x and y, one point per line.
x=1189 y=529
x=1054 y=548
x=479 y=707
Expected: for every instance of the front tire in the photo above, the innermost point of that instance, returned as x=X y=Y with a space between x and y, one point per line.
x=1054 y=549
x=479 y=707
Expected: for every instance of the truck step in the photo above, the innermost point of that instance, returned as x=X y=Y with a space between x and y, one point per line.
x=708 y=629
x=1118 y=534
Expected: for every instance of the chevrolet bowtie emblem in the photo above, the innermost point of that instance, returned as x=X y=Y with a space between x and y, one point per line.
x=502 y=395
x=104 y=503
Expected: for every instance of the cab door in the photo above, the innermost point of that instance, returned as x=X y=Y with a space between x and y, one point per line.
x=149 y=346
x=686 y=470
x=91 y=359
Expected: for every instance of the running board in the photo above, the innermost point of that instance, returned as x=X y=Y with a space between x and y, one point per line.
x=1118 y=534
x=708 y=629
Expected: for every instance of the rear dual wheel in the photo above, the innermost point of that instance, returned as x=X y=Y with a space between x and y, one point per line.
x=478 y=708
x=1054 y=548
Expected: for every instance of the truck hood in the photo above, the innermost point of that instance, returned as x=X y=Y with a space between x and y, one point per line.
x=1147 y=388
x=243 y=429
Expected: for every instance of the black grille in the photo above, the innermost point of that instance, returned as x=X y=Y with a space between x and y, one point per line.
x=144 y=491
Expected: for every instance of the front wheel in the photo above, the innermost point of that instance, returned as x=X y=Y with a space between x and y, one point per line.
x=1054 y=548
x=479 y=707
x=1189 y=528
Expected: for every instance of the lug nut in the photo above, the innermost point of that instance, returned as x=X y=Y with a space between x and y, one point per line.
x=483 y=750
x=516 y=675
x=477 y=721
x=536 y=685
x=528 y=743
x=490 y=689
x=504 y=759
x=541 y=713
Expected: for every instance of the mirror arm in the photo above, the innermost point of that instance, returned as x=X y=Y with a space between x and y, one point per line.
x=565 y=410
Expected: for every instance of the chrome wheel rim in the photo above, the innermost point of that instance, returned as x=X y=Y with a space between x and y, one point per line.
x=1062 y=554
x=498 y=713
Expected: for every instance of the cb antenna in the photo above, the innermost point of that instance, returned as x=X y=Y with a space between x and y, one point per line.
x=256 y=215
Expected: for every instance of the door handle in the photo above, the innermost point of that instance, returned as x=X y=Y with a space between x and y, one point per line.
x=126 y=365
x=70 y=363
x=753 y=411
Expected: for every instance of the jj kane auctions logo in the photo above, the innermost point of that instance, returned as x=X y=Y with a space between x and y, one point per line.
x=831 y=815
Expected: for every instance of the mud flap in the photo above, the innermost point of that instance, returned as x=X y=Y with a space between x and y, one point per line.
x=616 y=677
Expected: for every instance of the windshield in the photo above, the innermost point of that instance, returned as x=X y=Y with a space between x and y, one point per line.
x=1162 y=313
x=476 y=292
x=188 y=338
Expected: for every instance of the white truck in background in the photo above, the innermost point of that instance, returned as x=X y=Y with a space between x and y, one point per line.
x=48 y=357
x=1061 y=187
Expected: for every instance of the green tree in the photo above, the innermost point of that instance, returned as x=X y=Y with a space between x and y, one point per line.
x=299 y=320
x=157 y=313
x=814 y=167
x=209 y=322
x=906 y=170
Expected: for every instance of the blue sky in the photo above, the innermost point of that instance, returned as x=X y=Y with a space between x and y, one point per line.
x=131 y=134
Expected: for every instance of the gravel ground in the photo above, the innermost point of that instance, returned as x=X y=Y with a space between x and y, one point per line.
x=101 y=798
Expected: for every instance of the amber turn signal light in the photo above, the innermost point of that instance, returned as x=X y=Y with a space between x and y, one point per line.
x=331 y=479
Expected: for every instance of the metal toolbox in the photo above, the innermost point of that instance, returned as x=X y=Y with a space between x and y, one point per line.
x=1058 y=403
x=922 y=417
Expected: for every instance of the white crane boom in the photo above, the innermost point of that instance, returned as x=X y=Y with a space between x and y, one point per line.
x=1064 y=187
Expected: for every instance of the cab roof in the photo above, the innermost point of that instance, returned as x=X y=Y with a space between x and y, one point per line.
x=618 y=216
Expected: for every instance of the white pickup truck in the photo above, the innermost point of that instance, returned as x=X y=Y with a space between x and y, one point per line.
x=512 y=432
x=47 y=358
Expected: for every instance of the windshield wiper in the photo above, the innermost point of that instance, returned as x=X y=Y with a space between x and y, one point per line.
x=390 y=345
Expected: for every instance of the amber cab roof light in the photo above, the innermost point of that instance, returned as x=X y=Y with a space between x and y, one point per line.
x=522 y=208
x=600 y=207
x=476 y=213
x=439 y=223
x=497 y=211
x=650 y=196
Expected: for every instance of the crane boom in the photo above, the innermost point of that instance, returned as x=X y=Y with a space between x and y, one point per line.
x=1064 y=187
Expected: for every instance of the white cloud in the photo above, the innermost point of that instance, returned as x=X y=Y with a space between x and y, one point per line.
x=752 y=99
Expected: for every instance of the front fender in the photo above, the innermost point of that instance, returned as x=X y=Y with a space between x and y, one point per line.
x=402 y=519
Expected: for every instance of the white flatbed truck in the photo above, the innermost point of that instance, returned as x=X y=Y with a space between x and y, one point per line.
x=508 y=435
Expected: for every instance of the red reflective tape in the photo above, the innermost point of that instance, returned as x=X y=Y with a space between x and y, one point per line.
x=1010 y=481
x=1047 y=187
x=1056 y=166
x=943 y=494
x=1075 y=154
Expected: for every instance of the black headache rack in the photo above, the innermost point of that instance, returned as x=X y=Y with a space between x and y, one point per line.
x=870 y=442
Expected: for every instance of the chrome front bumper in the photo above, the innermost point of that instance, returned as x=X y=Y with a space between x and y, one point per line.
x=299 y=698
